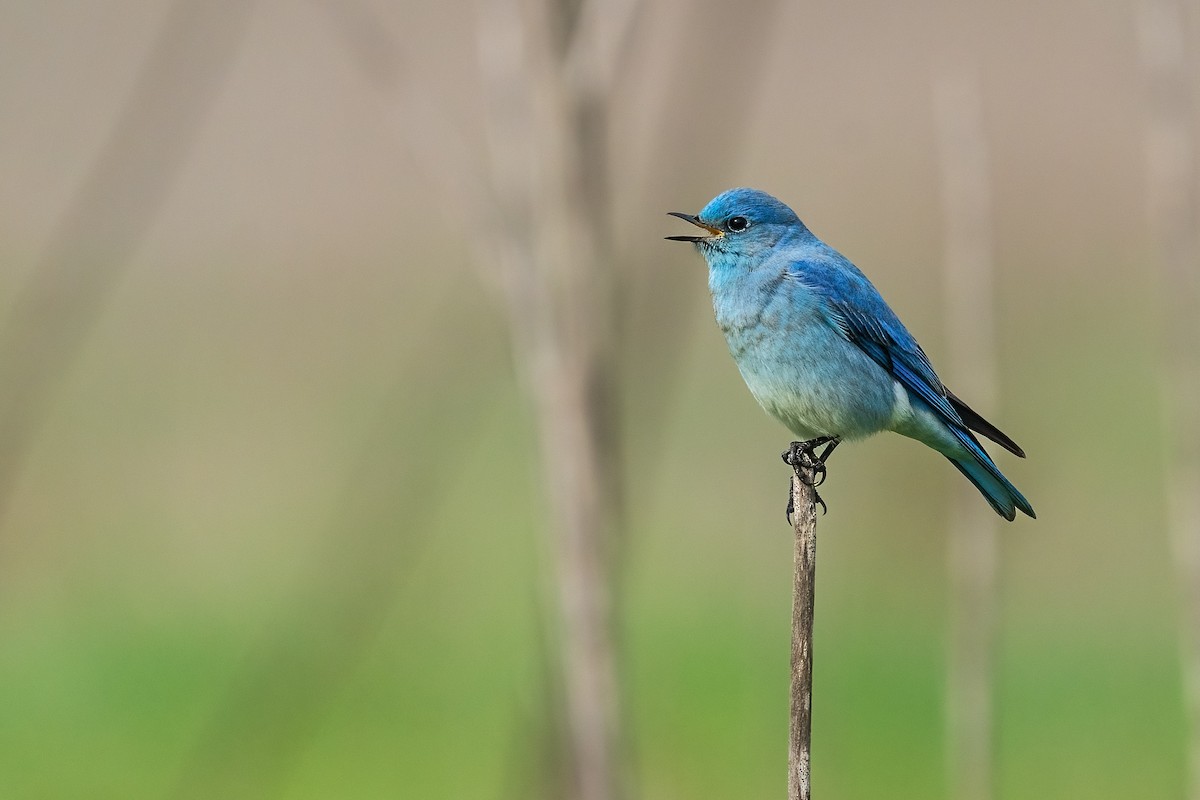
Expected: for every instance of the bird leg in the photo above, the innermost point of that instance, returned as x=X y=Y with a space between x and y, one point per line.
x=803 y=458
x=809 y=467
x=833 y=443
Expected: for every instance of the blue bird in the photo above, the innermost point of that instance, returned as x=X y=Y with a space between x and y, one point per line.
x=820 y=349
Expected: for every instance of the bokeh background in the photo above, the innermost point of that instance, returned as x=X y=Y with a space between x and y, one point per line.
x=274 y=520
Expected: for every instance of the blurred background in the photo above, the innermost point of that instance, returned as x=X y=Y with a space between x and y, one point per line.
x=361 y=437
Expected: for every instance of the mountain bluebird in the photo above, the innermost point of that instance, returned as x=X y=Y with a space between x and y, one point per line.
x=820 y=349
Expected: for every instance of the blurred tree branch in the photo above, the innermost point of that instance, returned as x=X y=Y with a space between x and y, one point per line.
x=109 y=215
x=547 y=69
x=1166 y=31
x=546 y=132
x=971 y=562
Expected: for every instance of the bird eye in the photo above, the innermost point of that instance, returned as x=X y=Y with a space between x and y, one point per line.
x=736 y=224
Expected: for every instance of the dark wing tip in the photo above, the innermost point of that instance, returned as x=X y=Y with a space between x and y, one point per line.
x=981 y=426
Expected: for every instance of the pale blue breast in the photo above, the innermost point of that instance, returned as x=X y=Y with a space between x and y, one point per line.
x=795 y=363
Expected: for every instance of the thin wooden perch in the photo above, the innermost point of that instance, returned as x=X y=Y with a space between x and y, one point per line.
x=804 y=521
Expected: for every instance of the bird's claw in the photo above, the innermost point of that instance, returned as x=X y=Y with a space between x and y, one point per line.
x=809 y=468
x=802 y=456
x=791 y=503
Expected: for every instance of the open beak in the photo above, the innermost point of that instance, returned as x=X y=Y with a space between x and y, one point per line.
x=714 y=233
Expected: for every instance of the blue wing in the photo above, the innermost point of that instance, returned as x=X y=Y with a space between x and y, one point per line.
x=854 y=306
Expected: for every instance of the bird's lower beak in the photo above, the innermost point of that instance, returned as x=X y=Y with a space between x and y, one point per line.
x=714 y=233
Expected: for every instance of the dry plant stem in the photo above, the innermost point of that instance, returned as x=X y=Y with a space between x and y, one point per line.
x=1166 y=32
x=539 y=236
x=547 y=155
x=804 y=583
x=971 y=562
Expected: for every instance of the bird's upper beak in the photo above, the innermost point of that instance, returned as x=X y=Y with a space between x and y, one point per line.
x=715 y=233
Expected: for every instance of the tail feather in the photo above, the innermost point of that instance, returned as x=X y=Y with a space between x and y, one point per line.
x=980 y=470
x=981 y=426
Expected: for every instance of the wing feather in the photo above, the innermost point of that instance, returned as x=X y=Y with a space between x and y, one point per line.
x=855 y=307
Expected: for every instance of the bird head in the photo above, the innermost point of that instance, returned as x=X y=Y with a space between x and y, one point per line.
x=740 y=223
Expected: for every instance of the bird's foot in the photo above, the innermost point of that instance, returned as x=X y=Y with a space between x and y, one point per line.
x=803 y=458
x=809 y=467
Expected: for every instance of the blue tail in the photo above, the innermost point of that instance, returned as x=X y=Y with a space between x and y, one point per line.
x=991 y=483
